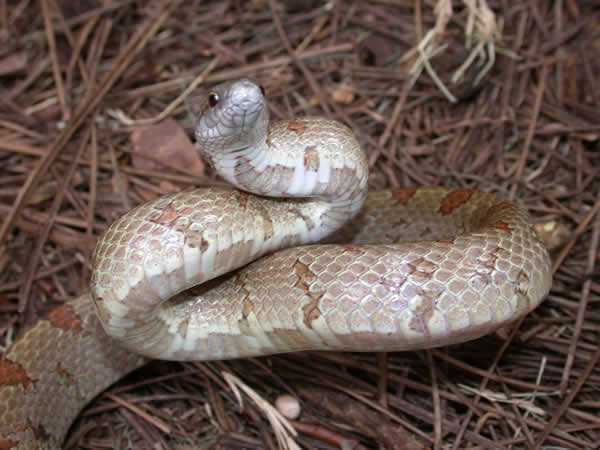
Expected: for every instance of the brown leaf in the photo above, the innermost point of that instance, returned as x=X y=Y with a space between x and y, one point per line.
x=343 y=93
x=367 y=421
x=164 y=142
x=15 y=62
x=553 y=234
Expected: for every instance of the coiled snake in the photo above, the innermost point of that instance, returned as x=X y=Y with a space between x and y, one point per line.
x=418 y=268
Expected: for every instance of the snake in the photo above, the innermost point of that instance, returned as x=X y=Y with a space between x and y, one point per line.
x=296 y=255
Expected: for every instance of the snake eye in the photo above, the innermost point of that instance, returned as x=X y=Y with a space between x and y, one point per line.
x=213 y=99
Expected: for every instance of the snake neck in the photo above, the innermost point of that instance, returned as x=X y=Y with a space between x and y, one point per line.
x=301 y=159
x=312 y=158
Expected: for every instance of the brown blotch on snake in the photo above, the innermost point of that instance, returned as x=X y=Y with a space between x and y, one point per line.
x=400 y=269
x=403 y=195
x=14 y=374
x=454 y=199
x=297 y=126
x=311 y=158
x=65 y=318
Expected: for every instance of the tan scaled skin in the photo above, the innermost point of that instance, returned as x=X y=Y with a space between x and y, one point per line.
x=409 y=269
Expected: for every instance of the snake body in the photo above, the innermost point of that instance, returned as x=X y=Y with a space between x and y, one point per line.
x=399 y=269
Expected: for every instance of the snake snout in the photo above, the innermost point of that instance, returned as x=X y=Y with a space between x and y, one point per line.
x=246 y=101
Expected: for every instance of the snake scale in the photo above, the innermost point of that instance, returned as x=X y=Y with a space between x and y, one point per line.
x=398 y=269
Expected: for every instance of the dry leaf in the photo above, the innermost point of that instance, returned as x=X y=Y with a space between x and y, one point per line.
x=343 y=408
x=15 y=62
x=161 y=145
x=553 y=234
x=343 y=93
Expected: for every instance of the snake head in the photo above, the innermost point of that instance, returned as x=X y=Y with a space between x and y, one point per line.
x=235 y=117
